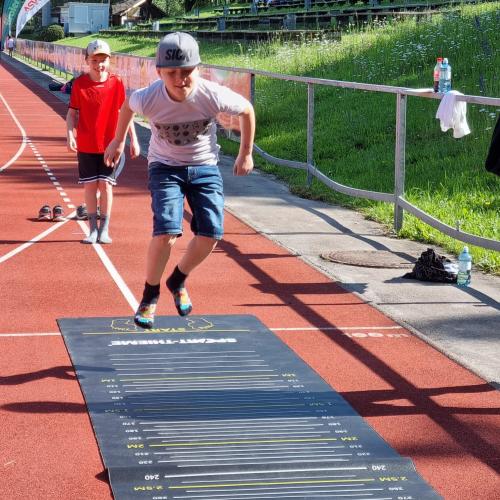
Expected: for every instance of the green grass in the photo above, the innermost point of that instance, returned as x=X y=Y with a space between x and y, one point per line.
x=354 y=130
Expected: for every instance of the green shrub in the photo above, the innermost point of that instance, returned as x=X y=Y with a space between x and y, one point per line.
x=52 y=33
x=28 y=30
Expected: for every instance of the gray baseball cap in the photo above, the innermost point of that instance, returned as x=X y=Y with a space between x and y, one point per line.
x=177 y=50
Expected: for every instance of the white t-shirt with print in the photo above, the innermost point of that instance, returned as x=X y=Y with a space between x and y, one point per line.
x=184 y=133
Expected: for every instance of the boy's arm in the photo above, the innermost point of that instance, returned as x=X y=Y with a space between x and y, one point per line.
x=71 y=123
x=135 y=148
x=116 y=146
x=243 y=164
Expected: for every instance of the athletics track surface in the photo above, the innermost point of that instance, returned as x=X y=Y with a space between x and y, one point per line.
x=425 y=406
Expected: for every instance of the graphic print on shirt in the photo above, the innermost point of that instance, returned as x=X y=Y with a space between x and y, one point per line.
x=180 y=134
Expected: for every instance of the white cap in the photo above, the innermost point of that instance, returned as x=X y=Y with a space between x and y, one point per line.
x=98 y=47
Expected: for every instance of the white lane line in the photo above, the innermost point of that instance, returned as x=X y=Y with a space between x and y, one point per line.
x=129 y=297
x=133 y=304
x=52 y=334
x=122 y=286
x=39 y=237
x=23 y=133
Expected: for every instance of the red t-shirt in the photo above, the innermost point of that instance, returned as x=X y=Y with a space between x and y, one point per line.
x=98 y=104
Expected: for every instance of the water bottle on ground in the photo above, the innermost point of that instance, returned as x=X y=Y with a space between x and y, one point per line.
x=437 y=70
x=445 y=76
x=464 y=267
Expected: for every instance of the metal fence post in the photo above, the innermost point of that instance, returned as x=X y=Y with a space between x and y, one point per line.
x=252 y=88
x=399 y=159
x=310 y=132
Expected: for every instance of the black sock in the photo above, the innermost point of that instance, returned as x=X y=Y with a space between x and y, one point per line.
x=151 y=293
x=176 y=280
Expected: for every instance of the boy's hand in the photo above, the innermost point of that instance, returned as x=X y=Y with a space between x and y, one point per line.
x=113 y=152
x=135 y=148
x=71 y=143
x=243 y=164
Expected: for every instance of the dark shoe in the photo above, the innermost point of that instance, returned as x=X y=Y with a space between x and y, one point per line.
x=57 y=213
x=45 y=213
x=81 y=212
x=182 y=302
x=145 y=315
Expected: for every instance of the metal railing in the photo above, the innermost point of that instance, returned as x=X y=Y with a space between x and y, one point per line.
x=401 y=93
x=397 y=197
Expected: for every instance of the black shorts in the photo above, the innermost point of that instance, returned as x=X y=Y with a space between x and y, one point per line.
x=91 y=168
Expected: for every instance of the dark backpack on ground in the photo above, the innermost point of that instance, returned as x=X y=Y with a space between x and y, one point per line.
x=66 y=88
x=431 y=267
x=55 y=86
x=63 y=87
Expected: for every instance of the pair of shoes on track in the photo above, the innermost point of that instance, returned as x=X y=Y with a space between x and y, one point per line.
x=82 y=214
x=55 y=214
x=145 y=315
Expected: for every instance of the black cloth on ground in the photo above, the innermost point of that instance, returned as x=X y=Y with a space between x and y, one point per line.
x=430 y=267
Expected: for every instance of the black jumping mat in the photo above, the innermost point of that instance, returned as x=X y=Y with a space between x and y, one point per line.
x=219 y=408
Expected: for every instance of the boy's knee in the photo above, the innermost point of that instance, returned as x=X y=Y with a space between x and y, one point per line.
x=206 y=240
x=166 y=240
x=105 y=186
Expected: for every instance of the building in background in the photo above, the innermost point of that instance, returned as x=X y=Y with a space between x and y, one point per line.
x=133 y=11
x=78 y=18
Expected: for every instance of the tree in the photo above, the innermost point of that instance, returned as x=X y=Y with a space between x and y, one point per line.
x=188 y=5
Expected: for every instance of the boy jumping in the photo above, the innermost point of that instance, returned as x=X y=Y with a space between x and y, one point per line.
x=183 y=154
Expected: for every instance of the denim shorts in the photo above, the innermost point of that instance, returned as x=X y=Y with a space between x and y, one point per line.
x=202 y=187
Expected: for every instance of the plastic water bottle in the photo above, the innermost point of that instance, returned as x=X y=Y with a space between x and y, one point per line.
x=444 y=76
x=437 y=70
x=464 y=267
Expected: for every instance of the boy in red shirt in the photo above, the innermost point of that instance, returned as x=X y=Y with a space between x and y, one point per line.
x=96 y=98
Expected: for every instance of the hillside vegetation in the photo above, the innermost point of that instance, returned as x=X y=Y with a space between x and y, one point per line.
x=354 y=130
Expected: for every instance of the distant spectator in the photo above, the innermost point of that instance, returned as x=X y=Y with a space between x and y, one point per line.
x=11 y=43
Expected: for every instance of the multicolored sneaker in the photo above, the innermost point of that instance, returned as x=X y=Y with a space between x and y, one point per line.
x=145 y=315
x=57 y=213
x=182 y=301
x=45 y=213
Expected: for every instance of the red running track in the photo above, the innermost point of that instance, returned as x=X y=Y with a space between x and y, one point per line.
x=425 y=406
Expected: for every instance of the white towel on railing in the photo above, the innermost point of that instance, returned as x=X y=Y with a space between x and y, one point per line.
x=453 y=114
